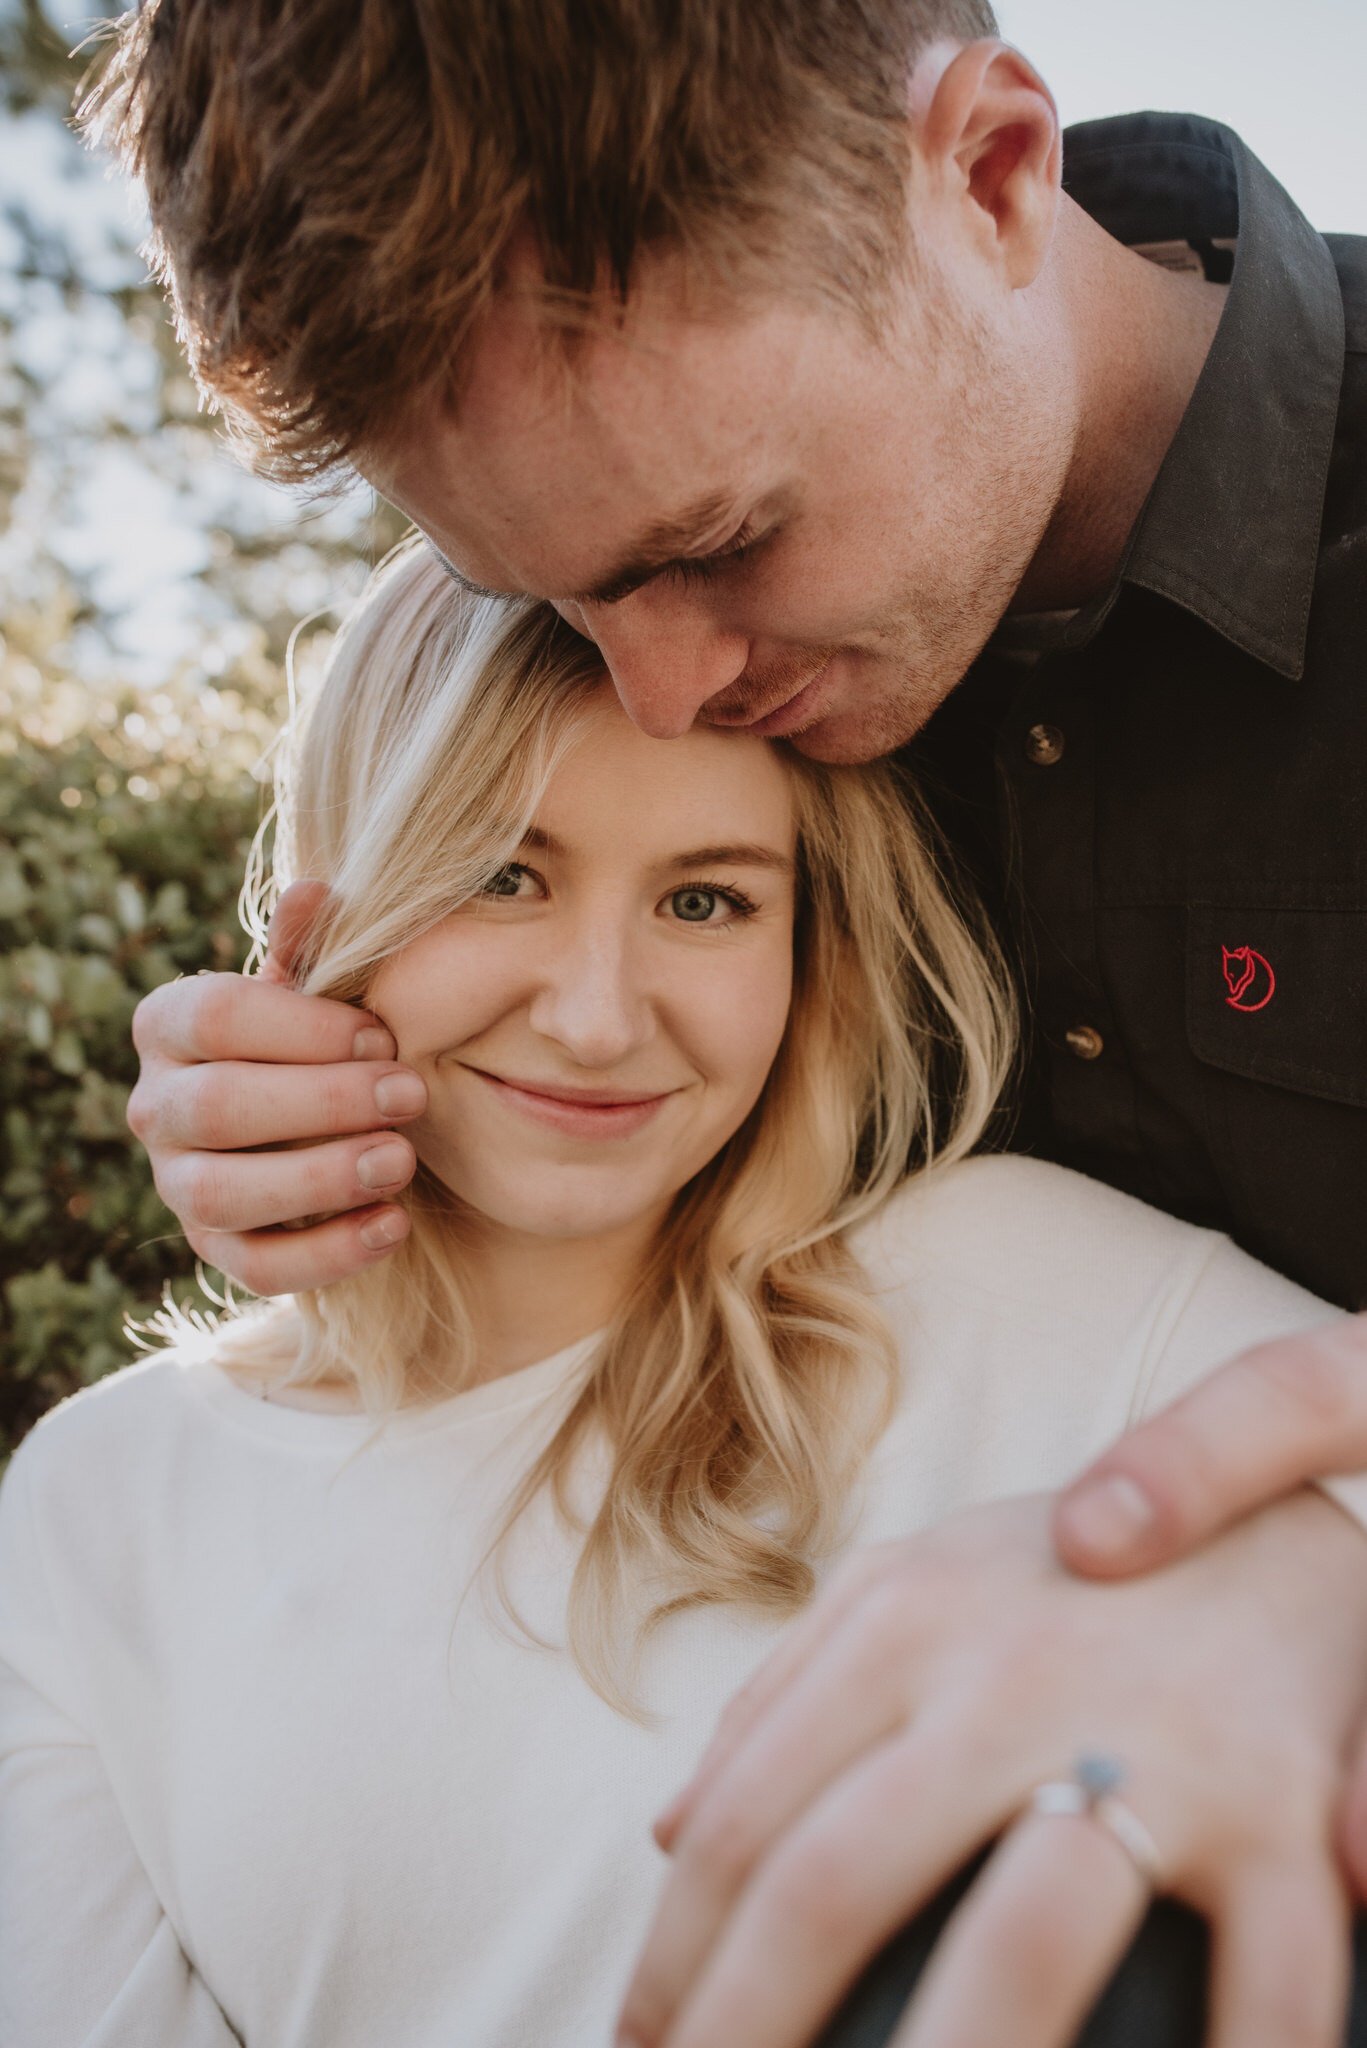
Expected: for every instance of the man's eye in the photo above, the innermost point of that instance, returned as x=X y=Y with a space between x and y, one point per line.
x=702 y=568
x=513 y=880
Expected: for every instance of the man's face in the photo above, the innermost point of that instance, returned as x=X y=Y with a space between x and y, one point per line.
x=763 y=518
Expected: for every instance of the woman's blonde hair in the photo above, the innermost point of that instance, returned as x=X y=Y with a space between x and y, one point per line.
x=742 y=1381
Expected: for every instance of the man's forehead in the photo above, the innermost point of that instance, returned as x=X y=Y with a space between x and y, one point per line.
x=638 y=446
x=573 y=516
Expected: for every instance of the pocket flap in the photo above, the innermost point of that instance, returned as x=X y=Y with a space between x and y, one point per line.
x=1281 y=996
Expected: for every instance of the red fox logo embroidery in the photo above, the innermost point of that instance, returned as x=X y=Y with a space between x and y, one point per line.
x=1249 y=979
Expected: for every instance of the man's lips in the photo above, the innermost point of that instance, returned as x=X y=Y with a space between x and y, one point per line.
x=790 y=716
x=578 y=1112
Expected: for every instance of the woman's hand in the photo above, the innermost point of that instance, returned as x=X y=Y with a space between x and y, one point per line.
x=907 y=1719
x=235 y=1068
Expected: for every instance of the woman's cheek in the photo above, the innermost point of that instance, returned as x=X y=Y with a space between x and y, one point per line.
x=738 y=1018
x=447 y=988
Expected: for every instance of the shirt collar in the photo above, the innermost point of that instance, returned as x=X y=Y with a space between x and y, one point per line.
x=1231 y=529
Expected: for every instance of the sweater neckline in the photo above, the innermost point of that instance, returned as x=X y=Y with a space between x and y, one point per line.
x=529 y=1386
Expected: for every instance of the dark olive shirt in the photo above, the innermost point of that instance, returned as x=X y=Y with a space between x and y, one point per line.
x=1166 y=807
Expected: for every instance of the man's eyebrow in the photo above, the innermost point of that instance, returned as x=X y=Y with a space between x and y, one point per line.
x=662 y=544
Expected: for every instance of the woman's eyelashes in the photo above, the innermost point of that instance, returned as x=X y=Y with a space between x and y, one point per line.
x=696 y=902
x=507 y=882
x=710 y=906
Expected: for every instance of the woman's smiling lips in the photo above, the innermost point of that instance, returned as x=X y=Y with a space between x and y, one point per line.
x=577 y=1112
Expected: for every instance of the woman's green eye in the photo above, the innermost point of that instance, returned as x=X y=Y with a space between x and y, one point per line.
x=695 y=906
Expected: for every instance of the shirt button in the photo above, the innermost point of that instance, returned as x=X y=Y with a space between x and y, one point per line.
x=1084 y=1043
x=1044 y=745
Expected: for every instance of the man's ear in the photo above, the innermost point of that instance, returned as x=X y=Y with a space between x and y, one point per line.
x=985 y=131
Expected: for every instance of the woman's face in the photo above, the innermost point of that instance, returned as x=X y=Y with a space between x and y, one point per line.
x=595 y=1026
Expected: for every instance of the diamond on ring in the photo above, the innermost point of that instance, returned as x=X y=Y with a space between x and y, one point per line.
x=1099 y=1775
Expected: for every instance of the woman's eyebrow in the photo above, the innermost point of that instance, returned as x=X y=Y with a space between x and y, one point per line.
x=740 y=854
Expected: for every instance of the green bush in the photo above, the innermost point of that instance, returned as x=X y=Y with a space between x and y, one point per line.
x=148 y=590
x=112 y=880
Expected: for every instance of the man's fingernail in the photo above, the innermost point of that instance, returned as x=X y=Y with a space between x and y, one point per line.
x=374 y=1043
x=383 y=1166
x=1110 y=1516
x=400 y=1095
x=384 y=1230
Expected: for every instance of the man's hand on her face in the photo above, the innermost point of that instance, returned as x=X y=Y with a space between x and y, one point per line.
x=1275 y=1418
x=232 y=1069
x=906 y=1720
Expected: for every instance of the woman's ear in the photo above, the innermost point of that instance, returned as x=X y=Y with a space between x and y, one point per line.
x=986 y=136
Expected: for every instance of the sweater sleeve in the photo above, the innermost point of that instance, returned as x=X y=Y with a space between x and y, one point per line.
x=88 y=1957
x=1232 y=1304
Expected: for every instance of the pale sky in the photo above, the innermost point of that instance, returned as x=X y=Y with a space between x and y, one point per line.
x=1290 y=75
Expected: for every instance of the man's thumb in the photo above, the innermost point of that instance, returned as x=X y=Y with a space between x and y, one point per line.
x=292 y=921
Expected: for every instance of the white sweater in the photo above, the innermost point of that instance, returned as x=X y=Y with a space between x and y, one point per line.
x=264 y=1778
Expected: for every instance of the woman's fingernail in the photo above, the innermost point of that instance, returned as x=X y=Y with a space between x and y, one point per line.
x=664 y=1823
x=374 y=1043
x=383 y=1166
x=1110 y=1516
x=384 y=1230
x=400 y=1095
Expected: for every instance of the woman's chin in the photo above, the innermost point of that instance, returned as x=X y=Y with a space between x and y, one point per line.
x=557 y=1214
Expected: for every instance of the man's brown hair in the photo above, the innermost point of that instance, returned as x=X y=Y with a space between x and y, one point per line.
x=335 y=185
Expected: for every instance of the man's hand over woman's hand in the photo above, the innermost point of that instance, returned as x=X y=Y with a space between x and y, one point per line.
x=1280 y=1415
x=908 y=1717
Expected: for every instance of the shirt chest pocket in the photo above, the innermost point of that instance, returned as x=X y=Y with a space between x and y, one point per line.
x=1280 y=996
x=1276 y=1004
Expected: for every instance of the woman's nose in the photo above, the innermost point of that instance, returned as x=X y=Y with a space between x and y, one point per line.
x=591 y=999
x=666 y=655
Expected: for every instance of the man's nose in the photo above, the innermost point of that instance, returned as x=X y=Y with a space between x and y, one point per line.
x=591 y=999
x=666 y=655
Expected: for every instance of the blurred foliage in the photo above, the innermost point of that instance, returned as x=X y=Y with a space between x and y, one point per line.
x=148 y=587
x=118 y=871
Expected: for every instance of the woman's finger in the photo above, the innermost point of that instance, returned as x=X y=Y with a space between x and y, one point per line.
x=807 y=1737
x=292 y=1261
x=1290 y=1411
x=1283 y=1958
x=802 y=1641
x=866 y=1856
x=1352 y=1828
x=1029 y=1951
